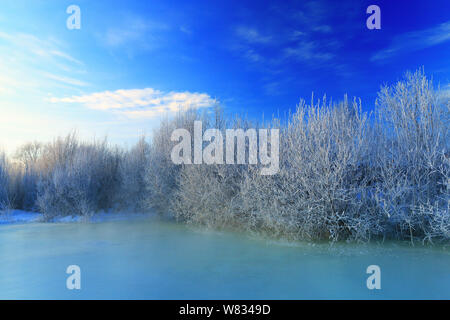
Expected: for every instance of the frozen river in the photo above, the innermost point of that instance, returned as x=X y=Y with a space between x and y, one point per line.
x=156 y=259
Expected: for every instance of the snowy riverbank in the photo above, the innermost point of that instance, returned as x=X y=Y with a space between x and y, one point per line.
x=22 y=217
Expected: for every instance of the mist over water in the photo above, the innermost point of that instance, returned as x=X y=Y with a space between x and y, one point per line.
x=158 y=259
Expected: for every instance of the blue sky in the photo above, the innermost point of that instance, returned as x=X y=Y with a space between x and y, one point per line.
x=134 y=61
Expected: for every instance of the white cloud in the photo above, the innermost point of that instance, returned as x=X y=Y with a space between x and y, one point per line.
x=134 y=34
x=271 y=43
x=307 y=51
x=66 y=80
x=33 y=63
x=252 y=35
x=34 y=46
x=140 y=103
x=323 y=28
x=186 y=30
x=415 y=40
x=66 y=56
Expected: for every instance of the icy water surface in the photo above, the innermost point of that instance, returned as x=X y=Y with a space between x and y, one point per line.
x=154 y=259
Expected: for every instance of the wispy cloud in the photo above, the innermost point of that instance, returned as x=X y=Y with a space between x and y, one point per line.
x=134 y=34
x=66 y=80
x=307 y=51
x=415 y=40
x=186 y=30
x=323 y=28
x=140 y=103
x=36 y=63
x=295 y=45
x=30 y=44
x=307 y=38
x=253 y=35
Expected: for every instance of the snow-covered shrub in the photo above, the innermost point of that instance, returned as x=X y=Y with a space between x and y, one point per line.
x=323 y=188
x=411 y=157
x=132 y=168
x=4 y=183
x=29 y=182
x=210 y=194
x=84 y=178
x=161 y=176
x=28 y=162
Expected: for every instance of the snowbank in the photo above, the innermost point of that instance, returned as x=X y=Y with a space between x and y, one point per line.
x=20 y=217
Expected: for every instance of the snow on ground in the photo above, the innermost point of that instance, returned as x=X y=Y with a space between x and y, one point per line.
x=20 y=217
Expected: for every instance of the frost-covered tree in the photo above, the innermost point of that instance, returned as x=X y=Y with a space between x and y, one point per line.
x=412 y=151
x=134 y=163
x=4 y=183
x=83 y=179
